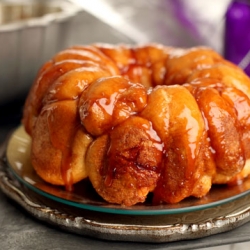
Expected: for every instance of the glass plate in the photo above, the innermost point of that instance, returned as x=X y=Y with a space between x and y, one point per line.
x=85 y=197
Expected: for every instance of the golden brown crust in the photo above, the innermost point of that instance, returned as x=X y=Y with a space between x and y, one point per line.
x=62 y=143
x=222 y=126
x=34 y=102
x=229 y=74
x=182 y=131
x=132 y=167
x=108 y=102
x=182 y=63
x=100 y=111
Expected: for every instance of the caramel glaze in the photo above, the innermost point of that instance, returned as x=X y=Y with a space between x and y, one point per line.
x=125 y=164
x=62 y=136
x=109 y=101
x=120 y=116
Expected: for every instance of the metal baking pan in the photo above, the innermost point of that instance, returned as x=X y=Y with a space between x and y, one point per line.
x=31 y=31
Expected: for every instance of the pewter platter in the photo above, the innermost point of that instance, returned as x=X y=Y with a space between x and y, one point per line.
x=223 y=209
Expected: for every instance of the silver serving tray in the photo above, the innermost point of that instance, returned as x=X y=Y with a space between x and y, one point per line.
x=123 y=227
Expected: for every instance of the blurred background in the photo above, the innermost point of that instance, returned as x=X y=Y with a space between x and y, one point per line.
x=31 y=31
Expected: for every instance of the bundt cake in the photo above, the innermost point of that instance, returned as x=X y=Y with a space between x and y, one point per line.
x=142 y=119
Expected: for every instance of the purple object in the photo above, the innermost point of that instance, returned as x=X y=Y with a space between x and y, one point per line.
x=237 y=34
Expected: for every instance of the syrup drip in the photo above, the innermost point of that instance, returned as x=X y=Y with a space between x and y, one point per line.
x=62 y=137
x=66 y=168
x=109 y=177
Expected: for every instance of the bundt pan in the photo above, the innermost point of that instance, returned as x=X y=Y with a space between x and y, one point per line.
x=31 y=31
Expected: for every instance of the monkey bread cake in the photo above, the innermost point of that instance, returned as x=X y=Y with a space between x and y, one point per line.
x=135 y=120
